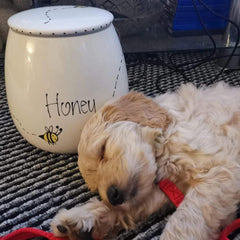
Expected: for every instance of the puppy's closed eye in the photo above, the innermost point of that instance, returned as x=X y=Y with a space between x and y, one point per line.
x=102 y=152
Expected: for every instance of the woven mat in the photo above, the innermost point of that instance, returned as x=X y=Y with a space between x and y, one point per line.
x=35 y=184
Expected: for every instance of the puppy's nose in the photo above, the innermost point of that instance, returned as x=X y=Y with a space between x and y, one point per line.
x=115 y=196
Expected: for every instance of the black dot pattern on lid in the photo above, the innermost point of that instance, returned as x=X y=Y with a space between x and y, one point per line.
x=82 y=31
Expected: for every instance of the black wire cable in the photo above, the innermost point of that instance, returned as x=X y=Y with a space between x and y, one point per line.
x=143 y=58
x=180 y=67
x=202 y=61
x=237 y=40
x=164 y=64
x=210 y=57
x=206 y=59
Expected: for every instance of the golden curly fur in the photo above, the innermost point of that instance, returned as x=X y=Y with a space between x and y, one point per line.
x=191 y=137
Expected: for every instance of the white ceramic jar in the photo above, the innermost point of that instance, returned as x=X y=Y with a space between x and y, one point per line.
x=62 y=64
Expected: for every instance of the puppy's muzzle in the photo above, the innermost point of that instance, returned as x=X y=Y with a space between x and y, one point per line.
x=115 y=195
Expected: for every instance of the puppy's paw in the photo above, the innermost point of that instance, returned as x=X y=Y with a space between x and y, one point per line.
x=76 y=224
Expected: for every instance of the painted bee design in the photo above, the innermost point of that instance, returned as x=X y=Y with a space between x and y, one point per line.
x=49 y=136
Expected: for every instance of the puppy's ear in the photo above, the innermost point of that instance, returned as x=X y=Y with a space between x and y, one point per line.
x=91 y=149
x=135 y=107
x=155 y=138
x=88 y=161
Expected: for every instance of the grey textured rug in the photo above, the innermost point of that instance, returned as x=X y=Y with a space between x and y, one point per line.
x=35 y=184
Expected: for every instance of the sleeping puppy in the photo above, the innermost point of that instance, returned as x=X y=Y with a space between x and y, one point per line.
x=191 y=137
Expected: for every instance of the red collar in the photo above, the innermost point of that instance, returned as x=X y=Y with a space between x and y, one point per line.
x=172 y=191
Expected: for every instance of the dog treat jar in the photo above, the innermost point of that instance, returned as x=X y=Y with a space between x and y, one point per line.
x=62 y=64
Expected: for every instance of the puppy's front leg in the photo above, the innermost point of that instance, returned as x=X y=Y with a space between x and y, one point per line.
x=206 y=209
x=90 y=220
x=187 y=223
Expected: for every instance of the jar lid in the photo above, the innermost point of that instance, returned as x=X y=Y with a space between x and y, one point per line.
x=60 y=20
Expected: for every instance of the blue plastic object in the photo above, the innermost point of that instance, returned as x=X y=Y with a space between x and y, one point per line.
x=186 y=18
